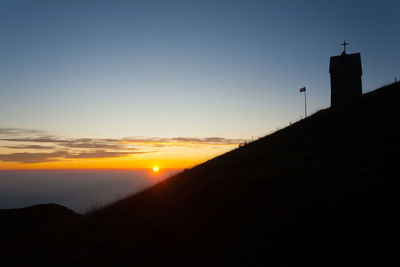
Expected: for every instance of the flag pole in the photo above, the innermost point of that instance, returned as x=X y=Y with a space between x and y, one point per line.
x=303 y=90
x=305 y=103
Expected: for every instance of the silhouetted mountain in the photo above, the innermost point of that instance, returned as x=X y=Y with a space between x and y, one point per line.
x=16 y=224
x=324 y=188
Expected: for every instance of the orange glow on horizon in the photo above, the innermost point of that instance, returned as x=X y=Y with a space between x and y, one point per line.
x=171 y=157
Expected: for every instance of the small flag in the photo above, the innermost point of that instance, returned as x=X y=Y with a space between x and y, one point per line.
x=302 y=89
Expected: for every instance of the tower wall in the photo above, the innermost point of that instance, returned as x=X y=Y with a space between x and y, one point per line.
x=346 y=74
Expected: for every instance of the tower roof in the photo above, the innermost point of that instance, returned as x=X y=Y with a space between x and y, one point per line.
x=346 y=62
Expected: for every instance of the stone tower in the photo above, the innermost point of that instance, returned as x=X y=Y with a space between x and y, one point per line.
x=346 y=74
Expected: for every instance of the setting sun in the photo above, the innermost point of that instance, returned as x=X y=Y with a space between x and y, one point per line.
x=155 y=169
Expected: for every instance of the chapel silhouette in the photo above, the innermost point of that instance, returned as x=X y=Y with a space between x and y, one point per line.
x=345 y=71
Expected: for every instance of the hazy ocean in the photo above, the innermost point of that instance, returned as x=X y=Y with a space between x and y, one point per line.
x=79 y=190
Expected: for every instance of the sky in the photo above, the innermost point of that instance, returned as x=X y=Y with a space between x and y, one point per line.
x=134 y=84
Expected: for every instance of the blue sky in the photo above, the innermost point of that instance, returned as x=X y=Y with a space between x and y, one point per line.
x=232 y=69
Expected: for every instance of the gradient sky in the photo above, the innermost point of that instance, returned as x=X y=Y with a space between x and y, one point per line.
x=103 y=77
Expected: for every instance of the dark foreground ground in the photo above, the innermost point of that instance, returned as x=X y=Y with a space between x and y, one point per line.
x=324 y=189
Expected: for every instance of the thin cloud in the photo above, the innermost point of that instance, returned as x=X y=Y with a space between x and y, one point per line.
x=32 y=157
x=19 y=131
x=98 y=144
x=90 y=148
x=26 y=157
x=121 y=144
x=100 y=154
x=208 y=140
x=185 y=140
x=93 y=145
x=30 y=147
x=35 y=140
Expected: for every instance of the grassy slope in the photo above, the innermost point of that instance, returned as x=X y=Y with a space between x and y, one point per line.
x=324 y=186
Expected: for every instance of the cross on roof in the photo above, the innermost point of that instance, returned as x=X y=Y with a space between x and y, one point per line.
x=344 y=46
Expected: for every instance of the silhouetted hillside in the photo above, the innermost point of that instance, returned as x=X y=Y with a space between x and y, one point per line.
x=324 y=188
x=18 y=223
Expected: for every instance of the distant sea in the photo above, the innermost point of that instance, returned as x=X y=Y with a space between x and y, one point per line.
x=79 y=190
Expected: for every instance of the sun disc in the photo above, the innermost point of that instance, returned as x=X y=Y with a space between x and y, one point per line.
x=155 y=169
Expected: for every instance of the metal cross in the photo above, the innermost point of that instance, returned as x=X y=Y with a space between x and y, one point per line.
x=344 y=46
